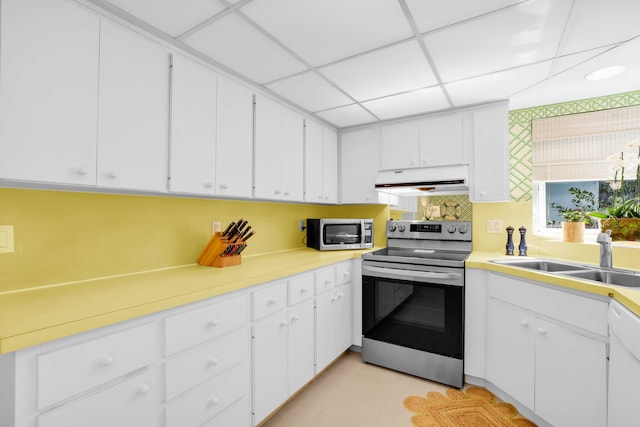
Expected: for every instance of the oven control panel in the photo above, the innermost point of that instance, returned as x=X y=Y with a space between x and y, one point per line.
x=429 y=230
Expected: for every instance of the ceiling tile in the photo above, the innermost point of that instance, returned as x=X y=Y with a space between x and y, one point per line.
x=238 y=45
x=571 y=85
x=432 y=14
x=388 y=71
x=406 y=104
x=310 y=91
x=349 y=115
x=169 y=16
x=597 y=23
x=328 y=30
x=516 y=36
x=500 y=85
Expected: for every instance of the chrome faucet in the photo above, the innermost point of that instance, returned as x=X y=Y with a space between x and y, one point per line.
x=605 y=249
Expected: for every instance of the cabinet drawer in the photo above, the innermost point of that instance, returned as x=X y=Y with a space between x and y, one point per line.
x=576 y=310
x=344 y=271
x=325 y=279
x=239 y=415
x=132 y=403
x=210 y=399
x=300 y=288
x=269 y=299
x=191 y=367
x=193 y=327
x=66 y=372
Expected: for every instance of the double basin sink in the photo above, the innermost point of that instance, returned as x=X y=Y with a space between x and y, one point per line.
x=610 y=276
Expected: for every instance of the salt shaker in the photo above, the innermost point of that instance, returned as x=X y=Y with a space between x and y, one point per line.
x=522 y=247
x=509 y=240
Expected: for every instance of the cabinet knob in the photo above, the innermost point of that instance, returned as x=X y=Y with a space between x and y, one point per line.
x=304 y=290
x=327 y=282
x=108 y=360
x=144 y=389
x=214 y=361
x=283 y=323
x=208 y=185
x=320 y=197
x=277 y=192
x=425 y=161
x=346 y=274
x=224 y=187
x=112 y=175
x=82 y=171
x=542 y=331
x=524 y=323
x=334 y=298
x=271 y=301
x=213 y=401
x=367 y=198
x=340 y=295
x=483 y=193
x=413 y=162
x=286 y=193
x=212 y=322
x=295 y=317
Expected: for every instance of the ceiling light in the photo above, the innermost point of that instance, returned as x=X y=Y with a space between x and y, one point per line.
x=605 y=73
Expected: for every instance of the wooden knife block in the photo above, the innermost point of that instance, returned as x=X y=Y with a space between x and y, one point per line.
x=212 y=253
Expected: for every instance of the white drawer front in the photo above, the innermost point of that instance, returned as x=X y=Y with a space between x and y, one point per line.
x=269 y=299
x=191 y=367
x=193 y=327
x=132 y=403
x=239 y=415
x=576 y=310
x=210 y=399
x=66 y=372
x=344 y=271
x=300 y=288
x=325 y=279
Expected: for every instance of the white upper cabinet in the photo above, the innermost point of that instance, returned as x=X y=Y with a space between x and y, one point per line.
x=193 y=127
x=432 y=141
x=279 y=146
x=359 y=165
x=133 y=111
x=234 y=142
x=320 y=164
x=489 y=174
x=48 y=91
x=441 y=140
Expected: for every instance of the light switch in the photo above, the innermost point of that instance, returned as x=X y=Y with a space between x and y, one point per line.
x=6 y=239
x=494 y=226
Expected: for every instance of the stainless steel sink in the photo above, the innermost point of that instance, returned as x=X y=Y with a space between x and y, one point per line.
x=617 y=278
x=541 y=265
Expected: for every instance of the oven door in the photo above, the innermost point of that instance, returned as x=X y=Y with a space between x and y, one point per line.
x=422 y=310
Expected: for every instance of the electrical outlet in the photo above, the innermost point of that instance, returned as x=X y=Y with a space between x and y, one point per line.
x=301 y=227
x=215 y=227
x=6 y=239
x=494 y=226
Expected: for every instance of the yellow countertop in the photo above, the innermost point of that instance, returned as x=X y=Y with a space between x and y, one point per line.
x=629 y=297
x=36 y=315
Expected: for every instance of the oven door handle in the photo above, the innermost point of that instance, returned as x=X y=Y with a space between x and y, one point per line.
x=394 y=273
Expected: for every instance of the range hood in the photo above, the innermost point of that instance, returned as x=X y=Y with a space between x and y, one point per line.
x=437 y=180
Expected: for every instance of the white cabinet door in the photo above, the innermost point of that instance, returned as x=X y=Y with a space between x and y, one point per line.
x=511 y=351
x=133 y=112
x=278 y=151
x=301 y=342
x=334 y=324
x=400 y=145
x=193 y=127
x=313 y=163
x=48 y=91
x=359 y=165
x=475 y=323
x=344 y=317
x=489 y=180
x=570 y=377
x=234 y=142
x=624 y=393
x=329 y=166
x=270 y=387
x=441 y=140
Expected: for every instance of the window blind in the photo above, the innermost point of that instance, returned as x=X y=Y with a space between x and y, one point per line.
x=575 y=147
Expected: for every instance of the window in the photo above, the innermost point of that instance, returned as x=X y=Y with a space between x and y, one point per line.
x=583 y=154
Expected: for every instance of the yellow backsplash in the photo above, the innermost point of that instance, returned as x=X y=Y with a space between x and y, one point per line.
x=65 y=236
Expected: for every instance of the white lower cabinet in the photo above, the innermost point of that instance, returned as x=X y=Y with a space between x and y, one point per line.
x=548 y=350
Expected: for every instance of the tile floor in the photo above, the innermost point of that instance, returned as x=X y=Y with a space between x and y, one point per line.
x=351 y=393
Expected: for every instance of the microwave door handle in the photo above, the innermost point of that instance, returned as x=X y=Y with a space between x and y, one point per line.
x=393 y=272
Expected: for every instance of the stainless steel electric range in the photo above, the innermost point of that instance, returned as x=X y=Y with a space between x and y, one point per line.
x=413 y=300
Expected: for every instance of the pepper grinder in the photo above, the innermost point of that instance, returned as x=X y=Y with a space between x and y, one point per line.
x=522 y=247
x=509 y=240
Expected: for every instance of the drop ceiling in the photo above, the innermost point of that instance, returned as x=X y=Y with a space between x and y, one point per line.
x=351 y=62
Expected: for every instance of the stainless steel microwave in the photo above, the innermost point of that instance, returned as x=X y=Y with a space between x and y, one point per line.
x=327 y=234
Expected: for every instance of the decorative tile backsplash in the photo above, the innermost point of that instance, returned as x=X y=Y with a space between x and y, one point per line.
x=444 y=208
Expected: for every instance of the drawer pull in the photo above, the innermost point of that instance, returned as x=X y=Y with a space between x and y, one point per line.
x=542 y=331
x=334 y=298
x=283 y=323
x=214 y=361
x=524 y=323
x=212 y=323
x=213 y=401
x=304 y=290
x=327 y=282
x=108 y=360
x=271 y=301
x=295 y=317
x=340 y=295
x=144 y=389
